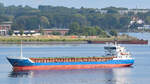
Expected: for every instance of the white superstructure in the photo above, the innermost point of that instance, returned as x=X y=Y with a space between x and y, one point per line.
x=114 y=49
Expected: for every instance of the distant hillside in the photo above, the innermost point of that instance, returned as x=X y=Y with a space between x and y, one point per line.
x=62 y=17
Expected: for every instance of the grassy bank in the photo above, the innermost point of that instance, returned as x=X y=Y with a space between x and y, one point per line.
x=61 y=38
x=36 y=39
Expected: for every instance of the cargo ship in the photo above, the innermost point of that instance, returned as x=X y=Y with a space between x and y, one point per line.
x=115 y=56
x=121 y=42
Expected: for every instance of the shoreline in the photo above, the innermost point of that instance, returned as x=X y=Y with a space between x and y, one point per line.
x=50 y=42
x=144 y=42
x=122 y=39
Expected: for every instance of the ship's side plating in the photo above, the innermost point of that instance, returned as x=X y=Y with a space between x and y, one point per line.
x=122 y=58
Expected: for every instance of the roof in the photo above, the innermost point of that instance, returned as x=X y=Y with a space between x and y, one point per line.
x=6 y=22
x=56 y=29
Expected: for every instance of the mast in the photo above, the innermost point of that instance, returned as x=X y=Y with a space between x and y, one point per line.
x=116 y=40
x=21 y=54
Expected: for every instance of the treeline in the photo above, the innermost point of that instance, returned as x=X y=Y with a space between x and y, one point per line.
x=76 y=29
x=91 y=19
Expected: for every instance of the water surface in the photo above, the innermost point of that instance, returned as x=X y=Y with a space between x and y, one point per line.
x=139 y=73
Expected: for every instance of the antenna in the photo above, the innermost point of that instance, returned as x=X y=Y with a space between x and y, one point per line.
x=21 y=54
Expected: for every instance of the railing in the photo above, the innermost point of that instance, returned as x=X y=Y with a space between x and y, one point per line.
x=89 y=59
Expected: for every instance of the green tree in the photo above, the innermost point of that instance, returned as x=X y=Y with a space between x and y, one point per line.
x=2 y=8
x=148 y=19
x=78 y=20
x=113 y=33
x=41 y=31
x=124 y=20
x=74 y=28
x=111 y=10
x=21 y=31
x=10 y=32
x=44 y=21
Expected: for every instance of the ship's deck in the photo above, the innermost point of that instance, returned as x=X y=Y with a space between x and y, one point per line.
x=70 y=59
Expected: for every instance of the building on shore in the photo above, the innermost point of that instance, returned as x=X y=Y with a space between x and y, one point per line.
x=146 y=27
x=124 y=11
x=26 y=33
x=38 y=32
x=55 y=30
x=4 y=28
x=135 y=11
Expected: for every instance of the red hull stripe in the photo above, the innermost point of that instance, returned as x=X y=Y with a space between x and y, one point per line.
x=61 y=67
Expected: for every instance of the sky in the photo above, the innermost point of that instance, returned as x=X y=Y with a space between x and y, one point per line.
x=79 y=3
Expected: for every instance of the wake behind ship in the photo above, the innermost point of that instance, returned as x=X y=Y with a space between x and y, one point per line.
x=115 y=56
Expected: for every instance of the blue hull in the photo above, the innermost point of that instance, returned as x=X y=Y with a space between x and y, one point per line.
x=26 y=62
